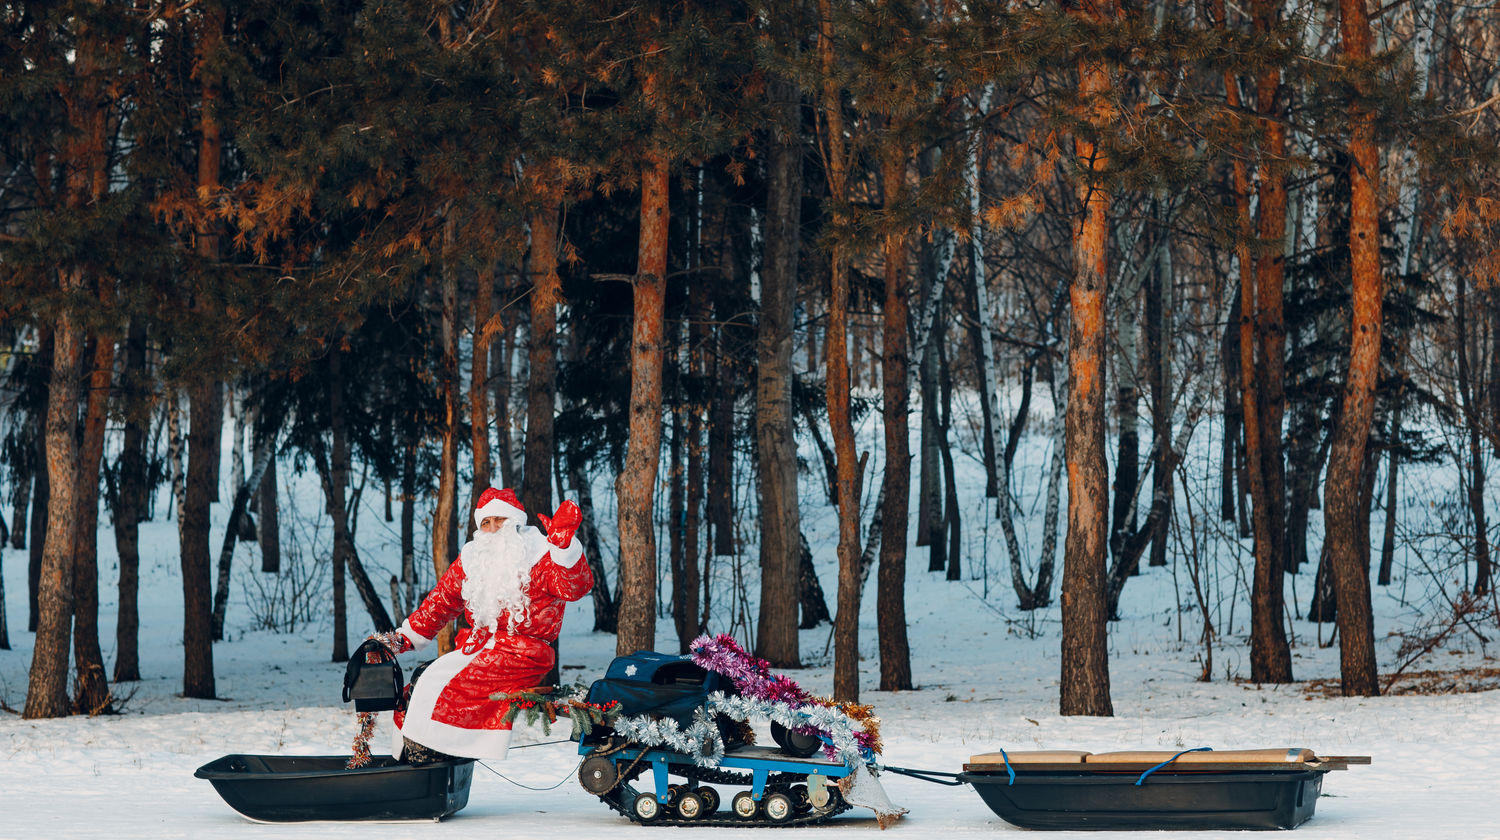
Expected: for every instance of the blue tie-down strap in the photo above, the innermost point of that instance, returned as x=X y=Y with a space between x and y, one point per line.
x=1008 y=768
x=1169 y=761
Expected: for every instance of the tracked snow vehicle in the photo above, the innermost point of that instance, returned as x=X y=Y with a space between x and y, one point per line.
x=703 y=771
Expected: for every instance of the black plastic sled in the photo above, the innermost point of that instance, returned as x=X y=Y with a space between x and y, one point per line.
x=1191 y=790
x=295 y=788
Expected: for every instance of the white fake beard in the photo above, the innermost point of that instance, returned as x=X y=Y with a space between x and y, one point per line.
x=496 y=572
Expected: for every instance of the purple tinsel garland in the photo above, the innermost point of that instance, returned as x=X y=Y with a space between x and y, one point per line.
x=750 y=674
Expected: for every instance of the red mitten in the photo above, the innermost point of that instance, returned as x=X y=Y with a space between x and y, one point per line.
x=563 y=524
x=396 y=642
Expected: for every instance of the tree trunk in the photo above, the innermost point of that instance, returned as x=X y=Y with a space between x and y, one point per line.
x=130 y=507
x=336 y=476
x=175 y=444
x=334 y=473
x=22 y=478
x=676 y=519
x=4 y=624
x=1159 y=367
x=237 y=512
x=1084 y=684
x=504 y=351
x=635 y=488
x=445 y=515
x=1341 y=494
x=951 y=518
x=979 y=332
x=989 y=376
x=200 y=489
x=782 y=584
x=837 y=383
x=541 y=389
x=606 y=610
x=1229 y=354
x=1127 y=477
x=895 y=652
x=268 y=536
x=91 y=686
x=1392 y=500
x=1041 y=591
x=205 y=422
x=810 y=590
x=479 y=393
x=700 y=335
x=1471 y=410
x=721 y=444
x=1271 y=659
x=930 y=519
x=40 y=502
x=1306 y=447
x=47 y=686
x=408 y=527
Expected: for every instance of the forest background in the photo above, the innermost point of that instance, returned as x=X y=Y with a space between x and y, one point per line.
x=423 y=247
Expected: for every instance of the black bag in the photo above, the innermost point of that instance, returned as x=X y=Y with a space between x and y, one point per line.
x=373 y=686
x=660 y=684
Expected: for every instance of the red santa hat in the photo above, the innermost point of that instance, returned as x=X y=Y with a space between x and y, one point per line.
x=501 y=503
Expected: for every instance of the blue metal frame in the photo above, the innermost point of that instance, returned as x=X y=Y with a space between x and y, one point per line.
x=760 y=767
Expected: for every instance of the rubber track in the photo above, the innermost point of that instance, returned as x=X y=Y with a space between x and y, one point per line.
x=622 y=798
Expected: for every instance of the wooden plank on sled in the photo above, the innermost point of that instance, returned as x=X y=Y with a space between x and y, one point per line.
x=1139 y=761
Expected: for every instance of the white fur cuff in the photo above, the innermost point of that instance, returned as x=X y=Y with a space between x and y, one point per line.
x=418 y=641
x=568 y=557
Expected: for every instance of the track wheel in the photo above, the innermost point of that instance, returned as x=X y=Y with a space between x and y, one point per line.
x=710 y=799
x=825 y=798
x=800 y=798
x=689 y=805
x=598 y=775
x=646 y=808
x=673 y=792
x=744 y=805
x=778 y=807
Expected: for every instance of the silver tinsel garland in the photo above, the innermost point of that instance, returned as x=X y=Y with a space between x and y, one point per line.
x=702 y=741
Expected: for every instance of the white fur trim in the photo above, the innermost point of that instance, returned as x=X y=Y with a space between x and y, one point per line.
x=490 y=744
x=567 y=557
x=495 y=507
x=418 y=641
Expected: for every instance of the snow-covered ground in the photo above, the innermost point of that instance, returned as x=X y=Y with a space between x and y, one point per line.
x=986 y=675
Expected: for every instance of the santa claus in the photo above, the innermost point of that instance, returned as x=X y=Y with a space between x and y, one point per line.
x=511 y=582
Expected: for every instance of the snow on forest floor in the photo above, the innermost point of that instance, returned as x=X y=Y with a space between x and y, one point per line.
x=982 y=684
x=986 y=677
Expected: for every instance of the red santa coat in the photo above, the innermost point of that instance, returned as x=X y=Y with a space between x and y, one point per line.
x=450 y=708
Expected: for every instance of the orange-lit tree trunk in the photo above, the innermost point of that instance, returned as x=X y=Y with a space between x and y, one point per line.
x=635 y=489
x=1351 y=434
x=1270 y=657
x=890 y=597
x=836 y=353
x=47 y=688
x=1084 y=685
x=206 y=403
x=1265 y=625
